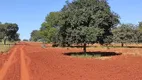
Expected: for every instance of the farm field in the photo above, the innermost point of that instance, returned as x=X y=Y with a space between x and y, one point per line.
x=28 y=61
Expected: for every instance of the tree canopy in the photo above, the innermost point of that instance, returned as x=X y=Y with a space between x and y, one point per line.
x=123 y=34
x=8 y=31
x=49 y=27
x=35 y=36
x=127 y=33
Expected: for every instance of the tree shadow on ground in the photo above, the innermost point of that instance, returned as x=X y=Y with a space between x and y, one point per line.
x=108 y=46
x=126 y=46
x=133 y=46
x=98 y=53
x=81 y=46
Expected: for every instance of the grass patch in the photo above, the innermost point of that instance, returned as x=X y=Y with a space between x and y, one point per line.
x=97 y=55
x=86 y=55
x=5 y=48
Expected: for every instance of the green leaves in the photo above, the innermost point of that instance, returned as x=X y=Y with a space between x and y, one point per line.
x=49 y=27
x=140 y=26
x=35 y=35
x=9 y=31
x=126 y=33
x=86 y=21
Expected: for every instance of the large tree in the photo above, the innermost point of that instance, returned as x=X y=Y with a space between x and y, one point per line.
x=125 y=33
x=49 y=26
x=8 y=31
x=85 y=22
x=35 y=35
x=11 y=30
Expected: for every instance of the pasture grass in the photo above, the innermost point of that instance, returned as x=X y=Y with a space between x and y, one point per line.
x=86 y=55
x=5 y=48
x=97 y=55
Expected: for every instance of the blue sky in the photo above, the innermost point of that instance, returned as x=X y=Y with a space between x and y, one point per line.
x=29 y=14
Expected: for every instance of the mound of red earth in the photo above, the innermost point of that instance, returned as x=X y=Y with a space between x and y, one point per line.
x=51 y=64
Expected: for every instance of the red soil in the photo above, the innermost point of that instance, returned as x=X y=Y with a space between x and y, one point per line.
x=31 y=62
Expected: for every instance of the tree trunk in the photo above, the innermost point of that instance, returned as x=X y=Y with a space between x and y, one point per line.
x=122 y=44
x=4 y=41
x=84 y=48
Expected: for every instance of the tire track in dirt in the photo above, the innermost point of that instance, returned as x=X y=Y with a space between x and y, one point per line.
x=7 y=65
x=24 y=69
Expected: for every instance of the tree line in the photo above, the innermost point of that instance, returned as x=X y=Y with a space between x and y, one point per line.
x=127 y=33
x=85 y=22
x=8 y=32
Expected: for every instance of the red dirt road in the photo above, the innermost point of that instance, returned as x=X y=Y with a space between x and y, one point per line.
x=7 y=65
x=31 y=62
x=15 y=64
x=24 y=69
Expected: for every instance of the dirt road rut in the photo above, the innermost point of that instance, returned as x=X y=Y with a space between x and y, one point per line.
x=15 y=68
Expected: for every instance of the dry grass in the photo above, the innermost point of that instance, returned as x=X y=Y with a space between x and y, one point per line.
x=5 y=48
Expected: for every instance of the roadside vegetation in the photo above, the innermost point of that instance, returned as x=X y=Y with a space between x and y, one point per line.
x=8 y=36
x=4 y=48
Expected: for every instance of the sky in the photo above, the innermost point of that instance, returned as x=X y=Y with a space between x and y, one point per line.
x=29 y=14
